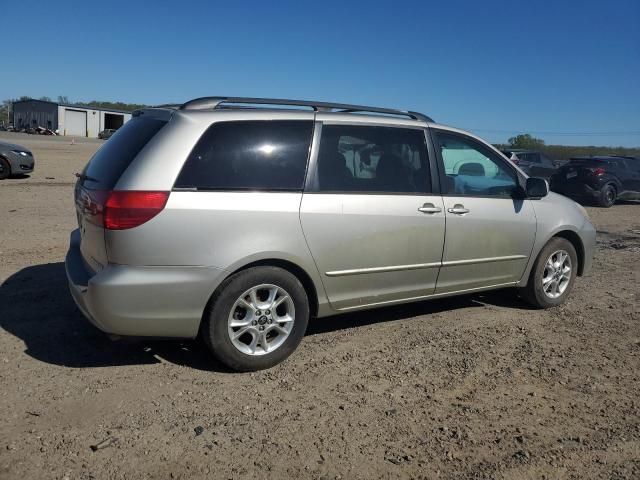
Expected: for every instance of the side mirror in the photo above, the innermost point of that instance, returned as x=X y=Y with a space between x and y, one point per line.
x=536 y=187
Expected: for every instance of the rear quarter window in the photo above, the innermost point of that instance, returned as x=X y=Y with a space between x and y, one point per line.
x=109 y=163
x=249 y=155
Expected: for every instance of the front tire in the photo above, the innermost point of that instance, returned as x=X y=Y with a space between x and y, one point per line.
x=607 y=196
x=5 y=169
x=553 y=274
x=256 y=318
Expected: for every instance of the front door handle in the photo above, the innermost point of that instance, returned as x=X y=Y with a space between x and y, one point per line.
x=458 y=209
x=429 y=208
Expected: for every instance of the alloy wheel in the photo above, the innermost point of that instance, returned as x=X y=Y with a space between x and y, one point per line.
x=261 y=319
x=557 y=274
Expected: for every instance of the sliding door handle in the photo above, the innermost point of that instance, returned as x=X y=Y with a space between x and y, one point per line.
x=429 y=208
x=458 y=209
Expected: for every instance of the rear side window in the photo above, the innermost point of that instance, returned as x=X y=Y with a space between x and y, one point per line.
x=362 y=159
x=112 y=159
x=620 y=163
x=249 y=155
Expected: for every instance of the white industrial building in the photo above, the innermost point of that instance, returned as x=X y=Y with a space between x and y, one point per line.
x=79 y=121
x=70 y=120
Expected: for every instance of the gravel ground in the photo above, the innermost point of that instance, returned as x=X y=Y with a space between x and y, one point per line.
x=478 y=386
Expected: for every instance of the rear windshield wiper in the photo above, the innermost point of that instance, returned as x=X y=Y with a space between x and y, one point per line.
x=83 y=177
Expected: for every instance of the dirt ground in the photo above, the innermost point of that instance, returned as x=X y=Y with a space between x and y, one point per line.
x=479 y=386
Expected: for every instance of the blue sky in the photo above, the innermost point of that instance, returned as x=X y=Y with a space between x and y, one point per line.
x=496 y=68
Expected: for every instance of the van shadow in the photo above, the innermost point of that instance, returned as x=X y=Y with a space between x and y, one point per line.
x=37 y=308
x=506 y=298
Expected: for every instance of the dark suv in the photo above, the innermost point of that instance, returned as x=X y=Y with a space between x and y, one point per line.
x=532 y=163
x=602 y=178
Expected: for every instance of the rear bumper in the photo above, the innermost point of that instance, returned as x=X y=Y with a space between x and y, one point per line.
x=141 y=301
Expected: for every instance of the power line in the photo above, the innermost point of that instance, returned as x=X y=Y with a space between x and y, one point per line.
x=542 y=132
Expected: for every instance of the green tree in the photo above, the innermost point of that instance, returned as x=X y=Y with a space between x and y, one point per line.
x=45 y=99
x=63 y=99
x=526 y=141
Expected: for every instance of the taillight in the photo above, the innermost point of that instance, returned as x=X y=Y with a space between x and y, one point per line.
x=129 y=209
x=596 y=172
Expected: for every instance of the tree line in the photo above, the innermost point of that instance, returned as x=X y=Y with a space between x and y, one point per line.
x=562 y=152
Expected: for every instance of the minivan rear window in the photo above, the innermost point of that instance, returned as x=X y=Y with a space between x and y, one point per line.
x=249 y=155
x=112 y=159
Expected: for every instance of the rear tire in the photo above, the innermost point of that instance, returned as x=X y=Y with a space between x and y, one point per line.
x=256 y=318
x=607 y=196
x=5 y=169
x=553 y=274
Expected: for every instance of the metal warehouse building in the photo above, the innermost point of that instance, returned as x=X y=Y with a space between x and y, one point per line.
x=70 y=120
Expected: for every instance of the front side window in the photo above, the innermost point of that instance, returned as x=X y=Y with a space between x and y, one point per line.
x=362 y=159
x=474 y=170
x=249 y=155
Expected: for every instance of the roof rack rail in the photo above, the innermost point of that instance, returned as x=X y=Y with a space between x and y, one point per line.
x=212 y=103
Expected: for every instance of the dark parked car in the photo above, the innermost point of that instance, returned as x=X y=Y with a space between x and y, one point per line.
x=15 y=160
x=602 y=178
x=105 y=134
x=533 y=163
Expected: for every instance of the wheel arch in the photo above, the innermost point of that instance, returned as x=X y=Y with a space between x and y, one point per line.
x=613 y=181
x=615 y=184
x=300 y=273
x=576 y=241
x=561 y=232
x=293 y=269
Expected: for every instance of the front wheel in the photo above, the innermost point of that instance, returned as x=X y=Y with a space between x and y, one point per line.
x=256 y=319
x=553 y=274
x=5 y=169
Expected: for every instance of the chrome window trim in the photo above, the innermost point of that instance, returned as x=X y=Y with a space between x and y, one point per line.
x=392 y=268
x=506 y=258
x=417 y=266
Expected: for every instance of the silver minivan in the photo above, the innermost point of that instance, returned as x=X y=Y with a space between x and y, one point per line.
x=239 y=219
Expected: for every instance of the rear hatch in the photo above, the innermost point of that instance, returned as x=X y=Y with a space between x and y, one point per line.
x=581 y=170
x=98 y=180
